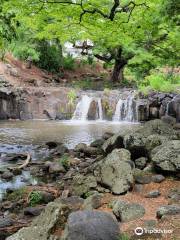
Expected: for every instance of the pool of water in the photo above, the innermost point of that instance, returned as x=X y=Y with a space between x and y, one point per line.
x=25 y=136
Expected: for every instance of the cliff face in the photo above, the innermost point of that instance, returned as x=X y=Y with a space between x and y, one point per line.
x=54 y=103
x=9 y=107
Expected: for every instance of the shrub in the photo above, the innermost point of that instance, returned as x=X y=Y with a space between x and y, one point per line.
x=50 y=56
x=64 y=160
x=35 y=198
x=69 y=62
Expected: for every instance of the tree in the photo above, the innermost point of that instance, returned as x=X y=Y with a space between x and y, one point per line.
x=120 y=30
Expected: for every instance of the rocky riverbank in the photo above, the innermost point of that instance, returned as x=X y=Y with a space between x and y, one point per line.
x=104 y=190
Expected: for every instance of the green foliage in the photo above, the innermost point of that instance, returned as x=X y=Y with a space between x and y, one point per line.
x=35 y=198
x=50 y=55
x=160 y=82
x=69 y=62
x=71 y=98
x=64 y=160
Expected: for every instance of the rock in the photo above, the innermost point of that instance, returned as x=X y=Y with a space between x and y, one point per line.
x=141 y=162
x=6 y=222
x=158 y=178
x=7 y=175
x=139 y=143
x=138 y=188
x=32 y=211
x=107 y=135
x=168 y=210
x=93 y=201
x=154 y=112
x=16 y=171
x=74 y=202
x=93 y=112
x=47 y=197
x=142 y=178
x=113 y=142
x=97 y=143
x=83 y=184
x=115 y=171
x=168 y=119
x=167 y=156
x=128 y=211
x=174 y=196
x=91 y=225
x=42 y=227
x=52 y=145
x=81 y=147
x=54 y=167
x=153 y=194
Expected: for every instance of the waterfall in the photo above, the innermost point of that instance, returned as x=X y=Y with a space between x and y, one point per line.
x=100 y=109
x=126 y=110
x=83 y=106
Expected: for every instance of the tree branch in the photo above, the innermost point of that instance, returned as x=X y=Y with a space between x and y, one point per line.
x=104 y=58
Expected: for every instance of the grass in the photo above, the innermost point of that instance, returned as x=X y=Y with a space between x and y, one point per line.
x=18 y=194
x=124 y=236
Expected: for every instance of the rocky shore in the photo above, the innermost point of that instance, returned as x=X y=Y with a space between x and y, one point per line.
x=102 y=191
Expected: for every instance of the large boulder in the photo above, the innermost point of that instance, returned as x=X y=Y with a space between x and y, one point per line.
x=42 y=228
x=154 y=133
x=168 y=210
x=91 y=225
x=167 y=156
x=115 y=171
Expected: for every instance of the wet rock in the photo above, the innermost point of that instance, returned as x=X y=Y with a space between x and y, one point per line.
x=97 y=143
x=167 y=156
x=93 y=201
x=158 y=178
x=93 y=112
x=153 y=194
x=33 y=211
x=16 y=171
x=52 y=145
x=83 y=184
x=115 y=171
x=168 y=119
x=168 y=210
x=6 y=222
x=128 y=211
x=7 y=175
x=141 y=162
x=107 y=135
x=91 y=225
x=81 y=147
x=113 y=142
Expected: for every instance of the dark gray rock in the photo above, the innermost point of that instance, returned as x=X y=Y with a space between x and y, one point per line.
x=142 y=178
x=91 y=225
x=32 y=211
x=158 y=178
x=7 y=175
x=97 y=143
x=6 y=222
x=168 y=119
x=153 y=194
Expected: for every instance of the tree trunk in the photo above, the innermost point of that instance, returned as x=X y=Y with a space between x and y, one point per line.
x=117 y=75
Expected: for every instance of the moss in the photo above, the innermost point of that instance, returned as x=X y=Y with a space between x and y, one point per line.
x=17 y=194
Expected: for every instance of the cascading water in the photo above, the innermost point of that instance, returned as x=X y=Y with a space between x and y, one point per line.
x=126 y=110
x=83 y=106
x=100 y=109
